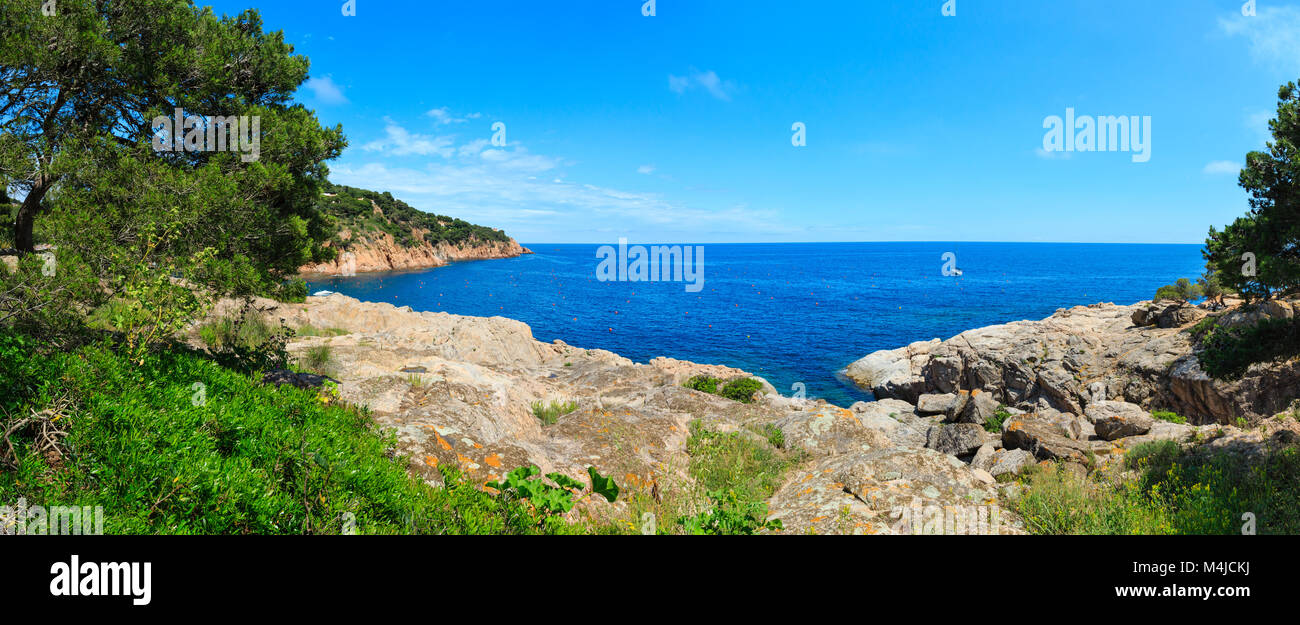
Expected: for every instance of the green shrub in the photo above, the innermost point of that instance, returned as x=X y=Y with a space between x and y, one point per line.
x=741 y=390
x=177 y=444
x=1171 y=417
x=1156 y=455
x=731 y=516
x=1229 y=352
x=994 y=423
x=292 y=291
x=704 y=384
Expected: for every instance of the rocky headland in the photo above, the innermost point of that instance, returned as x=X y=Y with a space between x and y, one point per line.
x=1075 y=390
x=382 y=253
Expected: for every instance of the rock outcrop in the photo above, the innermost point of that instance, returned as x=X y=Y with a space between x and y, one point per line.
x=459 y=391
x=385 y=254
x=1142 y=354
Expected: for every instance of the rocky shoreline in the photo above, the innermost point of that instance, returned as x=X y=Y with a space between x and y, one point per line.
x=457 y=391
x=385 y=254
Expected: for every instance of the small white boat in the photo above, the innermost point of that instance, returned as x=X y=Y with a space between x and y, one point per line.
x=322 y=293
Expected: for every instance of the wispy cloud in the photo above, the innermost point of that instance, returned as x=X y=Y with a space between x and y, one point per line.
x=398 y=141
x=325 y=91
x=1273 y=35
x=646 y=169
x=443 y=116
x=1221 y=167
x=708 y=81
x=511 y=187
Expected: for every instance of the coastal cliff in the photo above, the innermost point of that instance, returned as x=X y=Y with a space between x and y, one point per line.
x=385 y=254
x=378 y=232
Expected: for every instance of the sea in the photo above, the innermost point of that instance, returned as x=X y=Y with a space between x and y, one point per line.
x=794 y=313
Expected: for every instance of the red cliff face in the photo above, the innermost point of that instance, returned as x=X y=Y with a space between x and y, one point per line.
x=384 y=254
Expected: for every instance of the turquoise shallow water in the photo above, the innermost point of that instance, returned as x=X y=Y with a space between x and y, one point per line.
x=790 y=312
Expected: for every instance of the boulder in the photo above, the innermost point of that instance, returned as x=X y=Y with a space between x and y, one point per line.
x=830 y=430
x=958 y=439
x=1011 y=461
x=1044 y=438
x=979 y=409
x=984 y=458
x=893 y=373
x=931 y=404
x=1179 y=315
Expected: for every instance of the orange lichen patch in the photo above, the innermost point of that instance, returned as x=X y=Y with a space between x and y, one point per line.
x=493 y=460
x=478 y=446
x=1015 y=426
x=818 y=519
x=837 y=485
x=806 y=491
x=633 y=479
x=442 y=442
x=431 y=461
x=827 y=470
x=462 y=459
x=975 y=392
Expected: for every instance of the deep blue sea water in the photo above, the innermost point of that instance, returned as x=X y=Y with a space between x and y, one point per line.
x=790 y=312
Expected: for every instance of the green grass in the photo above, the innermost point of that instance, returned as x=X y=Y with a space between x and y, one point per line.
x=1174 y=492
x=738 y=472
x=228 y=333
x=550 y=412
x=317 y=359
x=242 y=459
x=310 y=330
x=1171 y=417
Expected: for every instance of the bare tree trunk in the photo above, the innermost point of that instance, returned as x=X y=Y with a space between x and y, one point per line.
x=26 y=219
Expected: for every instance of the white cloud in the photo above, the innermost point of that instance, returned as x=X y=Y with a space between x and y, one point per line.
x=646 y=169
x=1273 y=34
x=708 y=81
x=326 y=91
x=443 y=116
x=400 y=142
x=1222 y=167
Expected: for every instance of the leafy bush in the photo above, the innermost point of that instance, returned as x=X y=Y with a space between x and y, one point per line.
x=994 y=423
x=1171 y=417
x=704 y=384
x=247 y=341
x=317 y=359
x=1183 y=290
x=741 y=390
x=179 y=445
x=1227 y=353
x=730 y=516
x=557 y=497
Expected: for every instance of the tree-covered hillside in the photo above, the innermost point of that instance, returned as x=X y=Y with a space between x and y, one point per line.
x=354 y=210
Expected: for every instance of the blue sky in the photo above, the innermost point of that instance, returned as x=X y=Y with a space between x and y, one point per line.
x=677 y=127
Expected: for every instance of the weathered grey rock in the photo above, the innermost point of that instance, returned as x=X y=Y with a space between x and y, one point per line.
x=984 y=458
x=958 y=439
x=830 y=430
x=893 y=373
x=1044 y=438
x=1116 y=427
x=1097 y=411
x=1179 y=315
x=931 y=404
x=896 y=420
x=1062 y=361
x=1011 y=461
x=979 y=409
